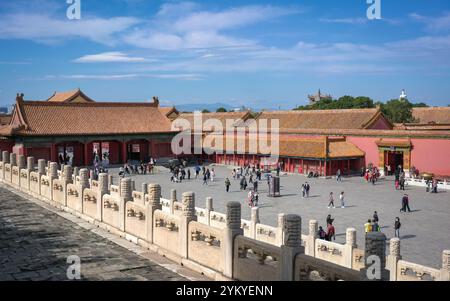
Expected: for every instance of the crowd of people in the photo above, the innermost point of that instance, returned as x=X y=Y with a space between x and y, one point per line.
x=138 y=169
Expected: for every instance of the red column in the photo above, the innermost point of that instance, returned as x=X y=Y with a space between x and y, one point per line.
x=348 y=165
x=53 y=155
x=86 y=154
x=124 y=152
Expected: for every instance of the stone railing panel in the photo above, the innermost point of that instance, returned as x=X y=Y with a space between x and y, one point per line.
x=75 y=197
x=15 y=176
x=204 y=245
x=408 y=271
x=358 y=259
x=202 y=215
x=46 y=190
x=8 y=172
x=24 y=181
x=90 y=199
x=217 y=219
x=330 y=251
x=111 y=213
x=35 y=183
x=177 y=207
x=138 y=197
x=135 y=220
x=166 y=231
x=95 y=185
x=266 y=234
x=58 y=191
x=165 y=204
x=308 y=268
x=255 y=261
x=2 y=171
x=115 y=191
x=245 y=225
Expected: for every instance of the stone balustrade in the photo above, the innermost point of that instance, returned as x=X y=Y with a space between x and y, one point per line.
x=220 y=245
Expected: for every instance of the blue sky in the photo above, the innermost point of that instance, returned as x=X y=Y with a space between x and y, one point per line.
x=263 y=54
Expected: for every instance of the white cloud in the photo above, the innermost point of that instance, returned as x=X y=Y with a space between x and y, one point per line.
x=433 y=24
x=180 y=76
x=351 y=21
x=110 y=57
x=45 y=28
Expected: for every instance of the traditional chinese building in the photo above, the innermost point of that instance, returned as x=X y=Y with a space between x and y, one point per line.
x=73 y=125
x=318 y=97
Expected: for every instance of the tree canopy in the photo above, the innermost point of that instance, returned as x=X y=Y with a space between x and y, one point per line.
x=397 y=111
x=221 y=110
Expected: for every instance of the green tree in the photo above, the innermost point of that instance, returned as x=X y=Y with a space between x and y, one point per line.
x=221 y=110
x=206 y=111
x=344 y=102
x=398 y=111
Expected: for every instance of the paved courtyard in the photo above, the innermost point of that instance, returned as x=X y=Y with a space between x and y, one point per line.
x=35 y=243
x=424 y=232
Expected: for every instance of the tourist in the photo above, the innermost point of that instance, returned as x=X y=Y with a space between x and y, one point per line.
x=434 y=186
x=208 y=174
x=338 y=175
x=303 y=190
x=368 y=226
x=307 y=188
x=213 y=174
x=321 y=234
x=205 y=179
x=197 y=171
x=233 y=174
x=375 y=217
x=331 y=232
x=331 y=201
x=242 y=183
x=329 y=219
x=189 y=173
x=405 y=204
x=250 y=197
x=374 y=226
x=256 y=199
x=227 y=184
x=255 y=186
x=397 y=226
x=341 y=197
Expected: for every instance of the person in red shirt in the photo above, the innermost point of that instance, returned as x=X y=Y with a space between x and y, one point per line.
x=331 y=232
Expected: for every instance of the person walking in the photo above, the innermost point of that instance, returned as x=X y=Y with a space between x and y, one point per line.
x=331 y=200
x=227 y=184
x=189 y=173
x=368 y=226
x=338 y=175
x=213 y=174
x=397 y=226
x=303 y=190
x=256 y=199
x=375 y=217
x=321 y=234
x=205 y=179
x=329 y=219
x=307 y=188
x=331 y=232
x=405 y=203
x=341 y=197
x=255 y=186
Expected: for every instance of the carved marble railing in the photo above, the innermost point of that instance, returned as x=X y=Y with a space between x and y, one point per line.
x=423 y=183
x=75 y=197
x=246 y=226
x=357 y=259
x=111 y=212
x=166 y=231
x=408 y=271
x=217 y=219
x=202 y=215
x=266 y=234
x=204 y=245
x=15 y=175
x=255 y=260
x=90 y=202
x=330 y=251
x=308 y=268
x=115 y=191
x=136 y=219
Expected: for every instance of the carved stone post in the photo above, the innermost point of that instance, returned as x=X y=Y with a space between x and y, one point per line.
x=350 y=244
x=291 y=246
x=12 y=159
x=21 y=163
x=154 y=203
x=30 y=164
x=231 y=230
x=125 y=196
x=393 y=258
x=254 y=219
x=41 y=167
x=188 y=215
x=102 y=190
x=76 y=172
x=110 y=181
x=310 y=248
x=173 y=199
x=5 y=157
x=144 y=189
x=83 y=183
x=445 y=270
x=53 y=175
x=280 y=230
x=67 y=179
x=375 y=257
x=209 y=208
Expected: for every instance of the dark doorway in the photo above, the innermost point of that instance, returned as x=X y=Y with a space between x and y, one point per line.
x=394 y=159
x=134 y=152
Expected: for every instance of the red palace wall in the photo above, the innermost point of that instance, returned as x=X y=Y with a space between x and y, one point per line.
x=431 y=155
x=6 y=146
x=367 y=145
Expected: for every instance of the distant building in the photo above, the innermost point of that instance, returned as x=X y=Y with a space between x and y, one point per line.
x=3 y=110
x=403 y=95
x=318 y=97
